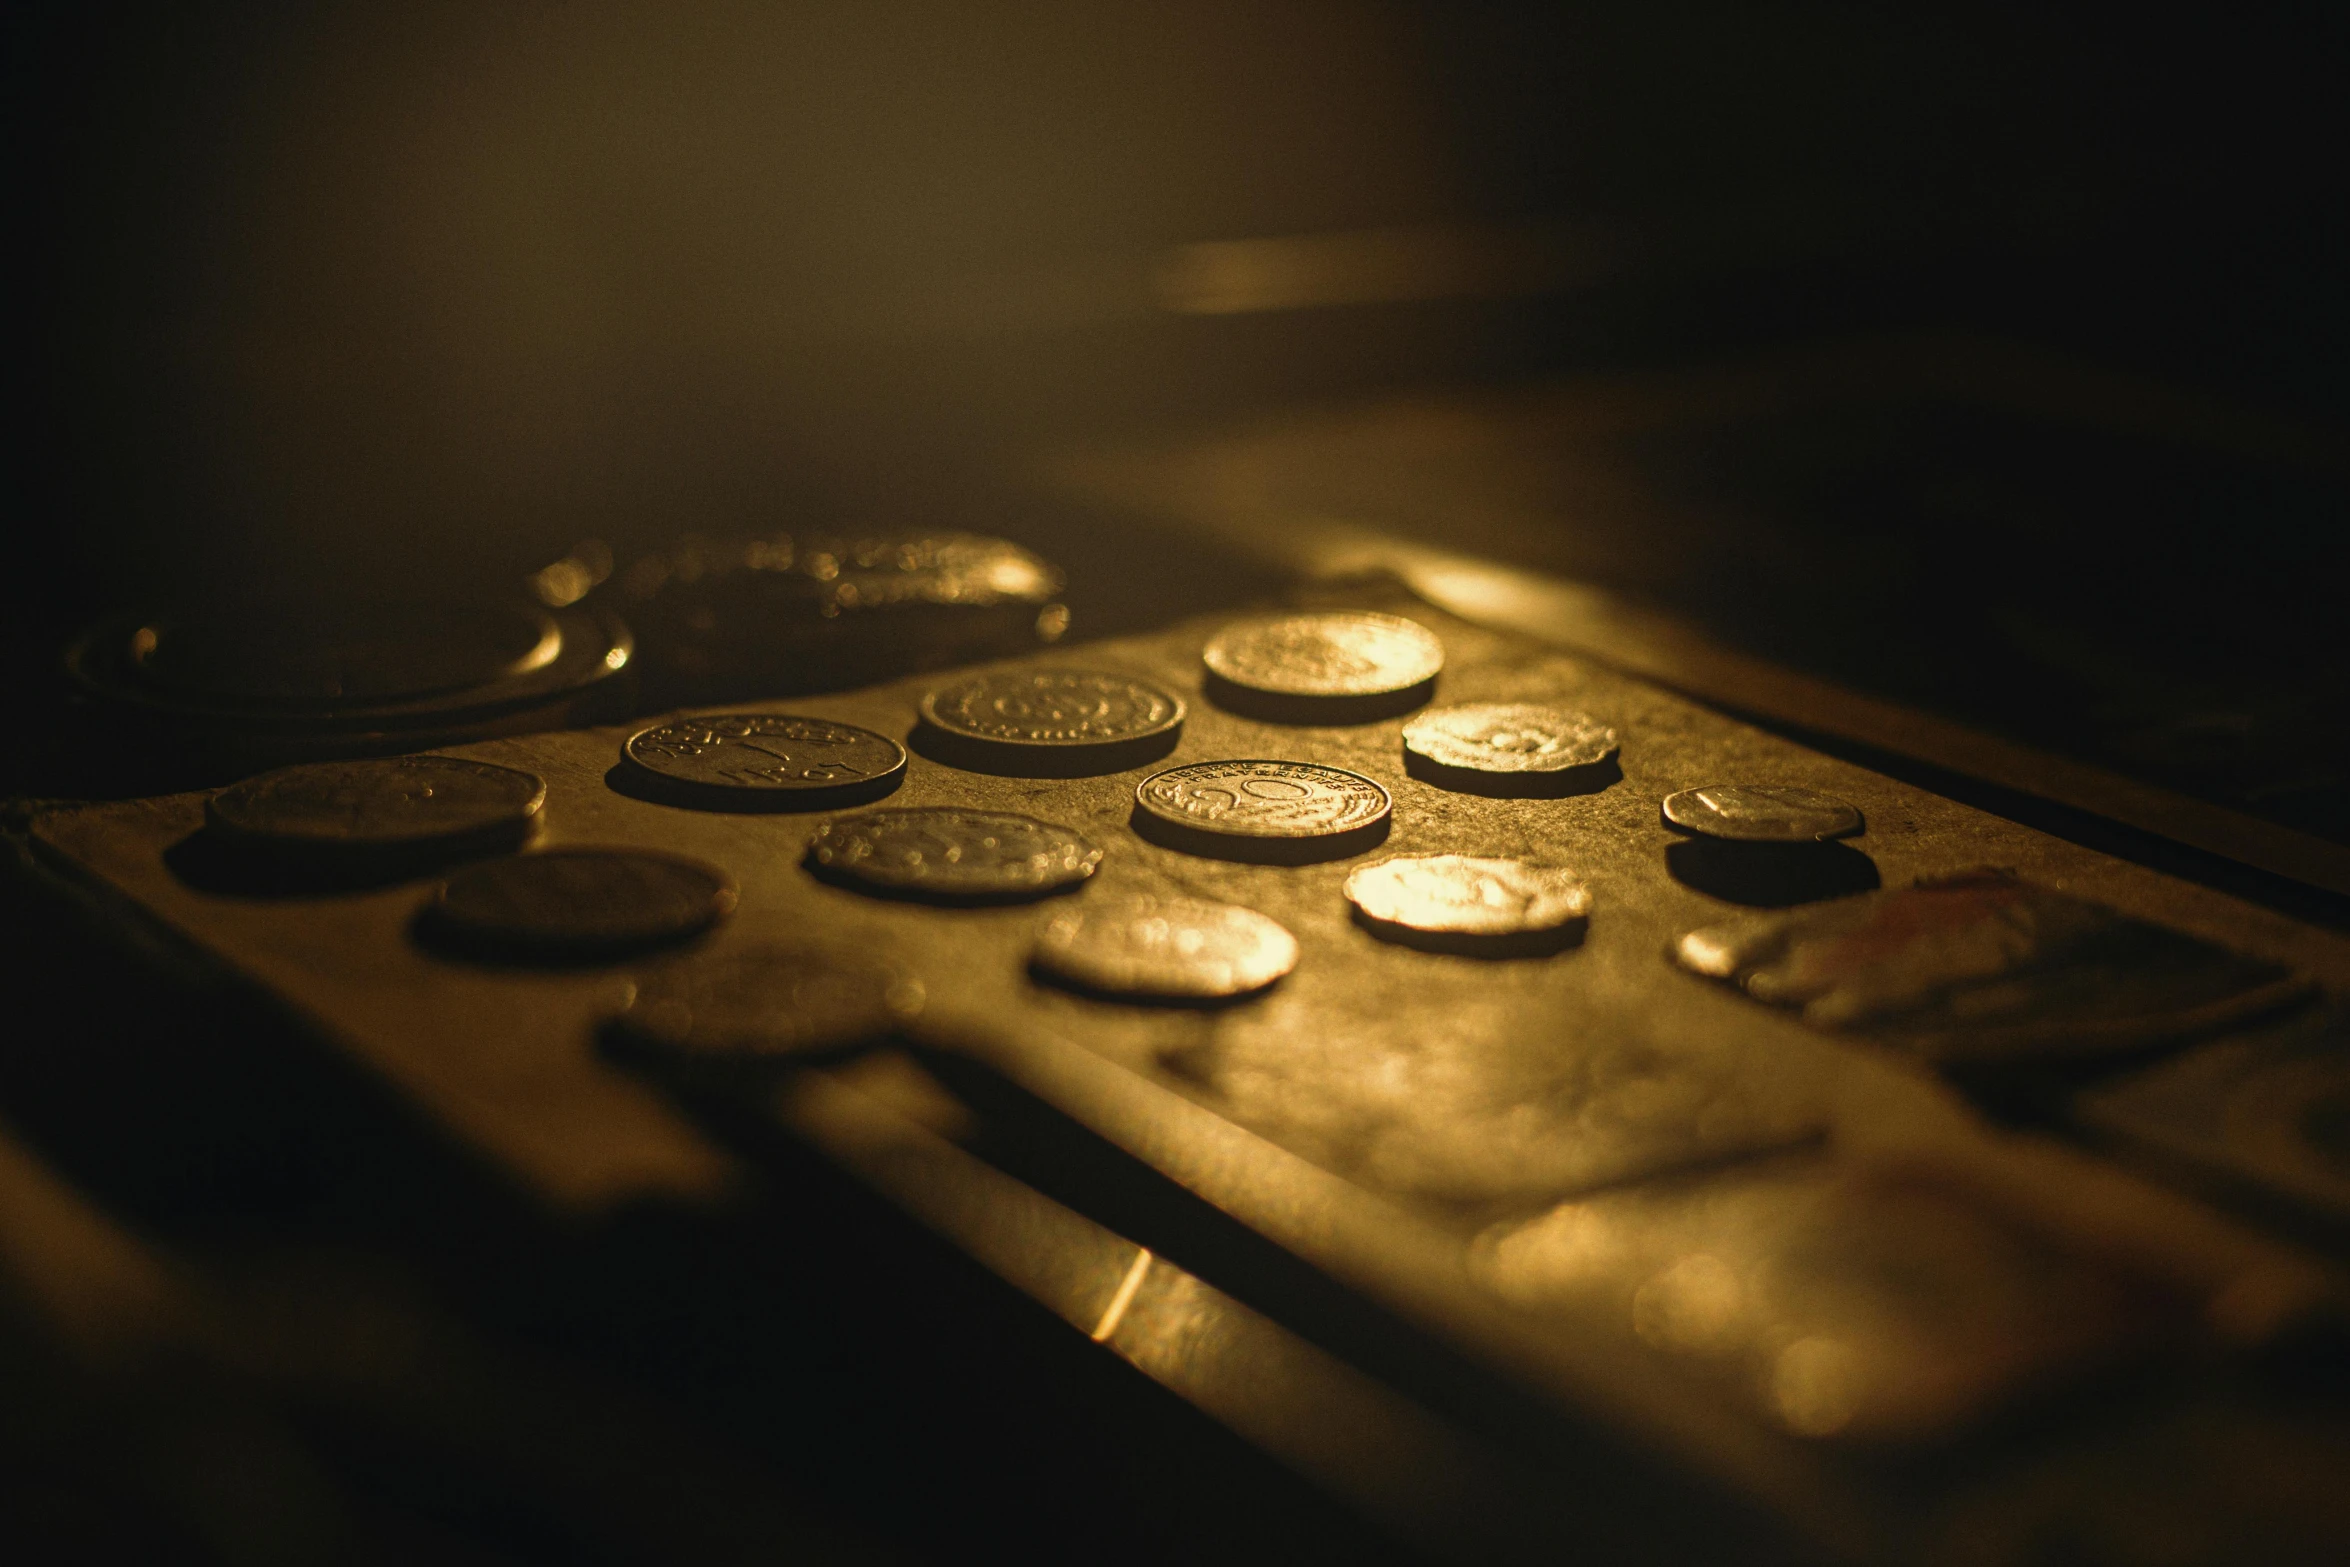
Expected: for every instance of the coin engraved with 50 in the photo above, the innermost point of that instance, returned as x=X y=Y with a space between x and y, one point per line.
x=1264 y=799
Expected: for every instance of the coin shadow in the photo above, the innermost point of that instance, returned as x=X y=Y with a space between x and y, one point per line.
x=1560 y=785
x=1771 y=875
x=1257 y=851
x=1086 y=761
x=205 y=861
x=1458 y=944
x=625 y=779
x=1314 y=711
x=1084 y=992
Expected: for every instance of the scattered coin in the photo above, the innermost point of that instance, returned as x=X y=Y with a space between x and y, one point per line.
x=1176 y=948
x=1324 y=668
x=1761 y=813
x=1464 y=896
x=579 y=904
x=947 y=852
x=381 y=807
x=1052 y=722
x=1265 y=810
x=768 y=1001
x=765 y=761
x=1477 y=744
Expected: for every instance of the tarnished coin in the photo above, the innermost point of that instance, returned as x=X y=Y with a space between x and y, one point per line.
x=1516 y=741
x=1264 y=810
x=768 y=1001
x=579 y=904
x=764 y=761
x=382 y=807
x=1465 y=896
x=1325 y=668
x=951 y=853
x=1761 y=813
x=1051 y=722
x=1174 y=948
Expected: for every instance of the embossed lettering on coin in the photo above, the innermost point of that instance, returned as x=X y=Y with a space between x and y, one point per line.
x=1263 y=799
x=947 y=852
x=769 y=1001
x=1459 y=894
x=1171 y=947
x=384 y=803
x=736 y=759
x=582 y=903
x=1053 y=707
x=1509 y=737
x=1355 y=654
x=1761 y=813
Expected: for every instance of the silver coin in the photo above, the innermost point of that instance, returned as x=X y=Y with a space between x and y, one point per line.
x=1341 y=666
x=1509 y=737
x=756 y=761
x=1176 y=948
x=1054 y=721
x=769 y=1001
x=389 y=804
x=1466 y=895
x=581 y=903
x=1261 y=808
x=948 y=852
x=1761 y=813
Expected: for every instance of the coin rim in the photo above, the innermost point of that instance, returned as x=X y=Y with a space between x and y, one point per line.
x=1578 y=917
x=1386 y=796
x=1665 y=810
x=930 y=715
x=1209 y=658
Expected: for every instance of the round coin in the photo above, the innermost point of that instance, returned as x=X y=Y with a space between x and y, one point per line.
x=764 y=762
x=762 y=1002
x=953 y=854
x=1474 y=900
x=384 y=807
x=1183 y=949
x=1283 y=812
x=1518 y=745
x=1326 y=668
x=571 y=905
x=1761 y=813
x=1056 y=723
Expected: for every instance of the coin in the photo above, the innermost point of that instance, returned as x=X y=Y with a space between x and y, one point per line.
x=1285 y=812
x=1176 y=948
x=1474 y=745
x=950 y=853
x=764 y=761
x=1761 y=813
x=1051 y=722
x=576 y=904
x=389 y=806
x=768 y=1001
x=1464 y=896
x=1337 y=668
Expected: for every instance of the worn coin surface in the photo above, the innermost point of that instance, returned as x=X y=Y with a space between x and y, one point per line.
x=393 y=804
x=949 y=852
x=768 y=1001
x=1262 y=806
x=1761 y=813
x=1467 y=895
x=765 y=761
x=1340 y=665
x=570 y=904
x=1175 y=948
x=1053 y=721
x=1509 y=737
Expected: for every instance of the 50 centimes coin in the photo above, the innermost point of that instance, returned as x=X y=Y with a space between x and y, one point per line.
x=1050 y=723
x=1510 y=748
x=1272 y=812
x=948 y=854
x=379 y=812
x=1465 y=903
x=762 y=762
x=1163 y=949
x=1344 y=668
x=577 y=905
x=765 y=1003
x=1761 y=813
